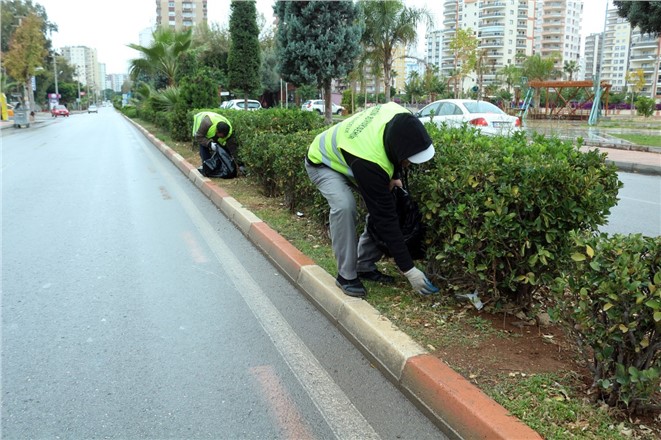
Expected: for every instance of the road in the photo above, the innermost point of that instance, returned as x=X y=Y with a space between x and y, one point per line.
x=639 y=207
x=131 y=308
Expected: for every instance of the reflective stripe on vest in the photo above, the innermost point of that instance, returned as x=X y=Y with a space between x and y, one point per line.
x=361 y=135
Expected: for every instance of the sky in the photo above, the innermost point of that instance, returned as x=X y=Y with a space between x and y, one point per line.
x=109 y=26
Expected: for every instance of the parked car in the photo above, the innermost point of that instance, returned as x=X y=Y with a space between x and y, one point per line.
x=59 y=110
x=239 y=104
x=483 y=115
x=92 y=109
x=319 y=106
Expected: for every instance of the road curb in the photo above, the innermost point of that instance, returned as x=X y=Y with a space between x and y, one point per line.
x=457 y=406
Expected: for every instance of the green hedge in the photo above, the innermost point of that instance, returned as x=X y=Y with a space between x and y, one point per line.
x=611 y=301
x=499 y=210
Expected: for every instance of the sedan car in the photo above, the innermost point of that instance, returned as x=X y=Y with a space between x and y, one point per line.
x=239 y=104
x=319 y=106
x=59 y=110
x=92 y=109
x=483 y=115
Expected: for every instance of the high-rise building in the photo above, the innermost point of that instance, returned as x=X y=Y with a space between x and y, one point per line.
x=504 y=30
x=617 y=42
x=433 y=46
x=645 y=54
x=84 y=59
x=558 y=29
x=180 y=14
x=593 y=46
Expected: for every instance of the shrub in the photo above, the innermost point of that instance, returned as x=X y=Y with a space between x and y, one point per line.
x=611 y=302
x=130 y=111
x=499 y=209
x=645 y=106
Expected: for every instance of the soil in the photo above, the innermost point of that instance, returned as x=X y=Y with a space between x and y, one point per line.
x=523 y=348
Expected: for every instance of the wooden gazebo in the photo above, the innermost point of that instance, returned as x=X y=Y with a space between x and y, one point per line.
x=565 y=107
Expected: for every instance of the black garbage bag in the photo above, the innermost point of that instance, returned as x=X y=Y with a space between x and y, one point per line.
x=220 y=165
x=410 y=223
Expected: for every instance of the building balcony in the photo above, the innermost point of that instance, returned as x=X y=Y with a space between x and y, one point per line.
x=491 y=14
x=491 y=43
x=636 y=56
x=646 y=43
x=450 y=3
x=452 y=20
x=554 y=6
x=490 y=34
x=492 y=24
x=490 y=5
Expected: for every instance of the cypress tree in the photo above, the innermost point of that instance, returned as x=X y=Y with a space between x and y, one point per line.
x=244 y=57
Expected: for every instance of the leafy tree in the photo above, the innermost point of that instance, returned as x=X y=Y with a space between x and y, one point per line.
x=571 y=67
x=464 y=44
x=214 y=47
x=244 y=57
x=432 y=82
x=636 y=81
x=269 y=76
x=389 y=24
x=13 y=11
x=162 y=57
x=27 y=50
x=645 y=15
x=316 y=42
x=645 y=106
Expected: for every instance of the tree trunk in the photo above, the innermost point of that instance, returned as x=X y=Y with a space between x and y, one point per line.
x=327 y=102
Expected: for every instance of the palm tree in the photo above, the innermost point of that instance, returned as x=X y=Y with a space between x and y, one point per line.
x=536 y=68
x=570 y=68
x=387 y=25
x=162 y=57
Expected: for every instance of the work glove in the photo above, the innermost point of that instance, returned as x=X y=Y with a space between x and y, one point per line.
x=214 y=146
x=420 y=283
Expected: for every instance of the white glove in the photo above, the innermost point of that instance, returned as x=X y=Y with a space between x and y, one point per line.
x=420 y=283
x=214 y=146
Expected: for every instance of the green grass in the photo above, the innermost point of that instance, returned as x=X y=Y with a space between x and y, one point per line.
x=640 y=139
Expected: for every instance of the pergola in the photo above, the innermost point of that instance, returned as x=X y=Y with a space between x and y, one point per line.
x=559 y=106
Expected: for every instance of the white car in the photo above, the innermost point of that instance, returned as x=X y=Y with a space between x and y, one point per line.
x=319 y=106
x=483 y=115
x=239 y=104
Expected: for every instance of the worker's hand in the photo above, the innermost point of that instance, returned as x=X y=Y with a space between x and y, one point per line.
x=214 y=146
x=420 y=283
x=394 y=183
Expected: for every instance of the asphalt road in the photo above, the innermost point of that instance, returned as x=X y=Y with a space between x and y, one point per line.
x=639 y=207
x=131 y=308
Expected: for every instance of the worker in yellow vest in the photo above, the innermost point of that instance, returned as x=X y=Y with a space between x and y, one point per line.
x=367 y=152
x=211 y=131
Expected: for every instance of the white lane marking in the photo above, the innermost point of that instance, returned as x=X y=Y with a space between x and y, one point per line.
x=340 y=414
x=650 y=202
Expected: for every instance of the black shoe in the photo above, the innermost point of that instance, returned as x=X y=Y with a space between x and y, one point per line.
x=377 y=276
x=351 y=287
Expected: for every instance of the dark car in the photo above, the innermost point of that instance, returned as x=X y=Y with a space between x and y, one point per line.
x=59 y=110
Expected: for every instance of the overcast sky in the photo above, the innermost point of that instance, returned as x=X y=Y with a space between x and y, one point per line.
x=109 y=26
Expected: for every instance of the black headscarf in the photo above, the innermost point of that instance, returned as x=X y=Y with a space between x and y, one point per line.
x=403 y=137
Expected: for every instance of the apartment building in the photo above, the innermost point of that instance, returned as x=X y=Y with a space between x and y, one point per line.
x=617 y=42
x=645 y=54
x=504 y=29
x=85 y=60
x=558 y=29
x=180 y=14
x=590 y=61
x=433 y=46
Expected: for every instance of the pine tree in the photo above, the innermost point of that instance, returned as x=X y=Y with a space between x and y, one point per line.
x=244 y=57
x=317 y=41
